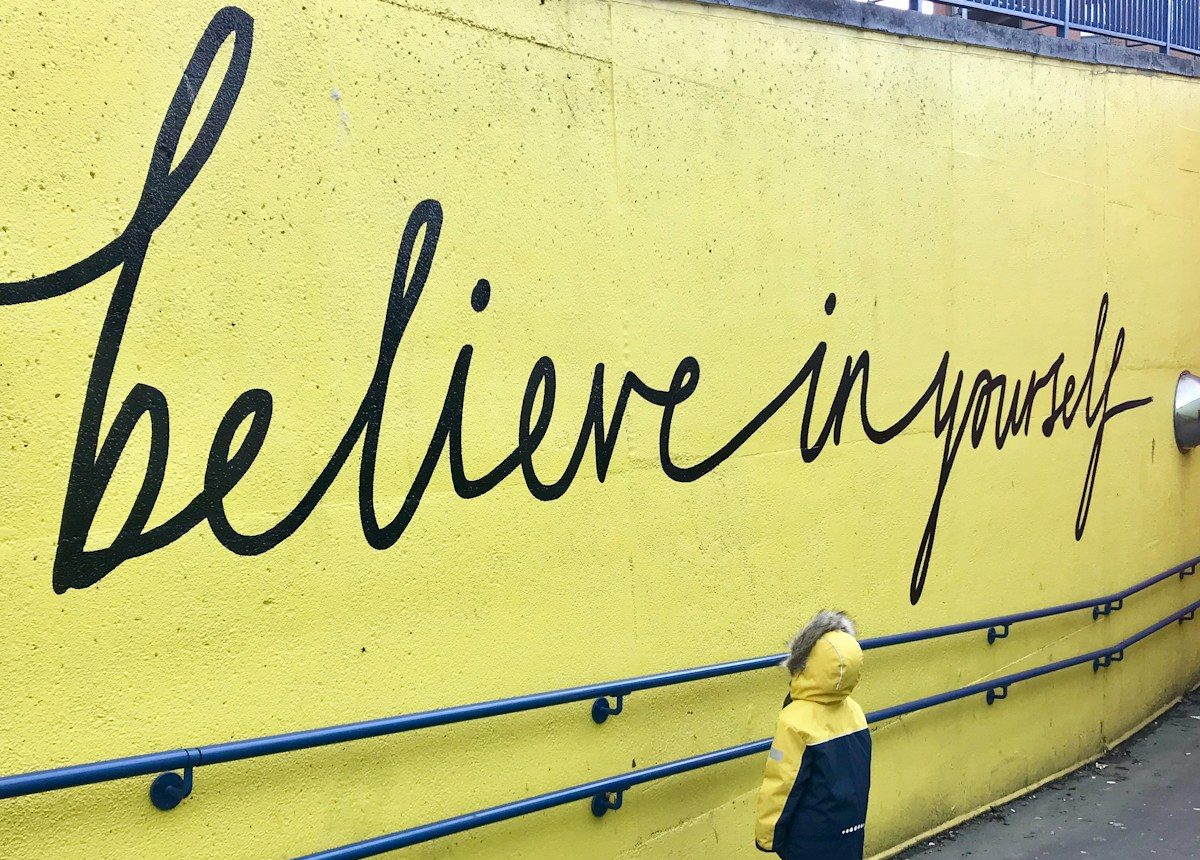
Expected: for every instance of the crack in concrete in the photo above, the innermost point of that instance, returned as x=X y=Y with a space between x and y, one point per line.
x=495 y=31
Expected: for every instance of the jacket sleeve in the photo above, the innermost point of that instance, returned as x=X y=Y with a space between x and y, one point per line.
x=781 y=779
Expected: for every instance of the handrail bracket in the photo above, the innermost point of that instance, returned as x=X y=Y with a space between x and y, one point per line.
x=602 y=710
x=1106 y=660
x=1108 y=608
x=1187 y=571
x=997 y=631
x=606 y=800
x=996 y=694
x=169 y=789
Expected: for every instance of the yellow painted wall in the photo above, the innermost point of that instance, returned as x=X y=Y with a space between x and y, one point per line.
x=640 y=182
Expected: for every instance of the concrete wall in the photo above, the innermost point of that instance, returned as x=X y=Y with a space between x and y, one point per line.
x=665 y=189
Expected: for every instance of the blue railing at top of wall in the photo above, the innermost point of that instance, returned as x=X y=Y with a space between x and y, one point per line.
x=608 y=793
x=169 y=788
x=1166 y=24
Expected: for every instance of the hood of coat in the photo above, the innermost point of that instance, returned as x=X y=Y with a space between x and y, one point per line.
x=831 y=671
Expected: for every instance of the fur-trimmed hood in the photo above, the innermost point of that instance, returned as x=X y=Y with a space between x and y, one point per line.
x=825 y=659
x=802 y=643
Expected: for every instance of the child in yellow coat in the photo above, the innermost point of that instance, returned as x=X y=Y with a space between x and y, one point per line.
x=813 y=800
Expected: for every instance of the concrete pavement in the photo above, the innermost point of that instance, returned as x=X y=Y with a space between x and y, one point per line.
x=1140 y=800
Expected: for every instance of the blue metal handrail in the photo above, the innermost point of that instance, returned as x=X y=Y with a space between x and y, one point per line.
x=600 y=789
x=168 y=789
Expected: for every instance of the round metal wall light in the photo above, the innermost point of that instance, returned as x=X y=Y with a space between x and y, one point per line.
x=1187 y=411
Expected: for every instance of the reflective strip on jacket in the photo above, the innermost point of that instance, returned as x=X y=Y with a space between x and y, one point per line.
x=813 y=800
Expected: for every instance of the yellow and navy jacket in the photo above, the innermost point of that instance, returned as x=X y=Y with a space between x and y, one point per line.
x=813 y=800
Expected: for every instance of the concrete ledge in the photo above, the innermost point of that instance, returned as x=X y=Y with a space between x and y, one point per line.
x=942 y=28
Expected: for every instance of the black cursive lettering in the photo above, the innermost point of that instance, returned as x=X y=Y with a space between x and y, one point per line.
x=956 y=419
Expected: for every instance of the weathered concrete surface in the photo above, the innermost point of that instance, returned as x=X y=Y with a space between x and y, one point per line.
x=647 y=186
x=1141 y=800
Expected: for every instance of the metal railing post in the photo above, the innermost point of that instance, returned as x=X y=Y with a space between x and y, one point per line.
x=1169 y=7
x=1065 y=30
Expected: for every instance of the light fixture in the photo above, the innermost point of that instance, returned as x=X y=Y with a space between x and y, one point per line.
x=1187 y=411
